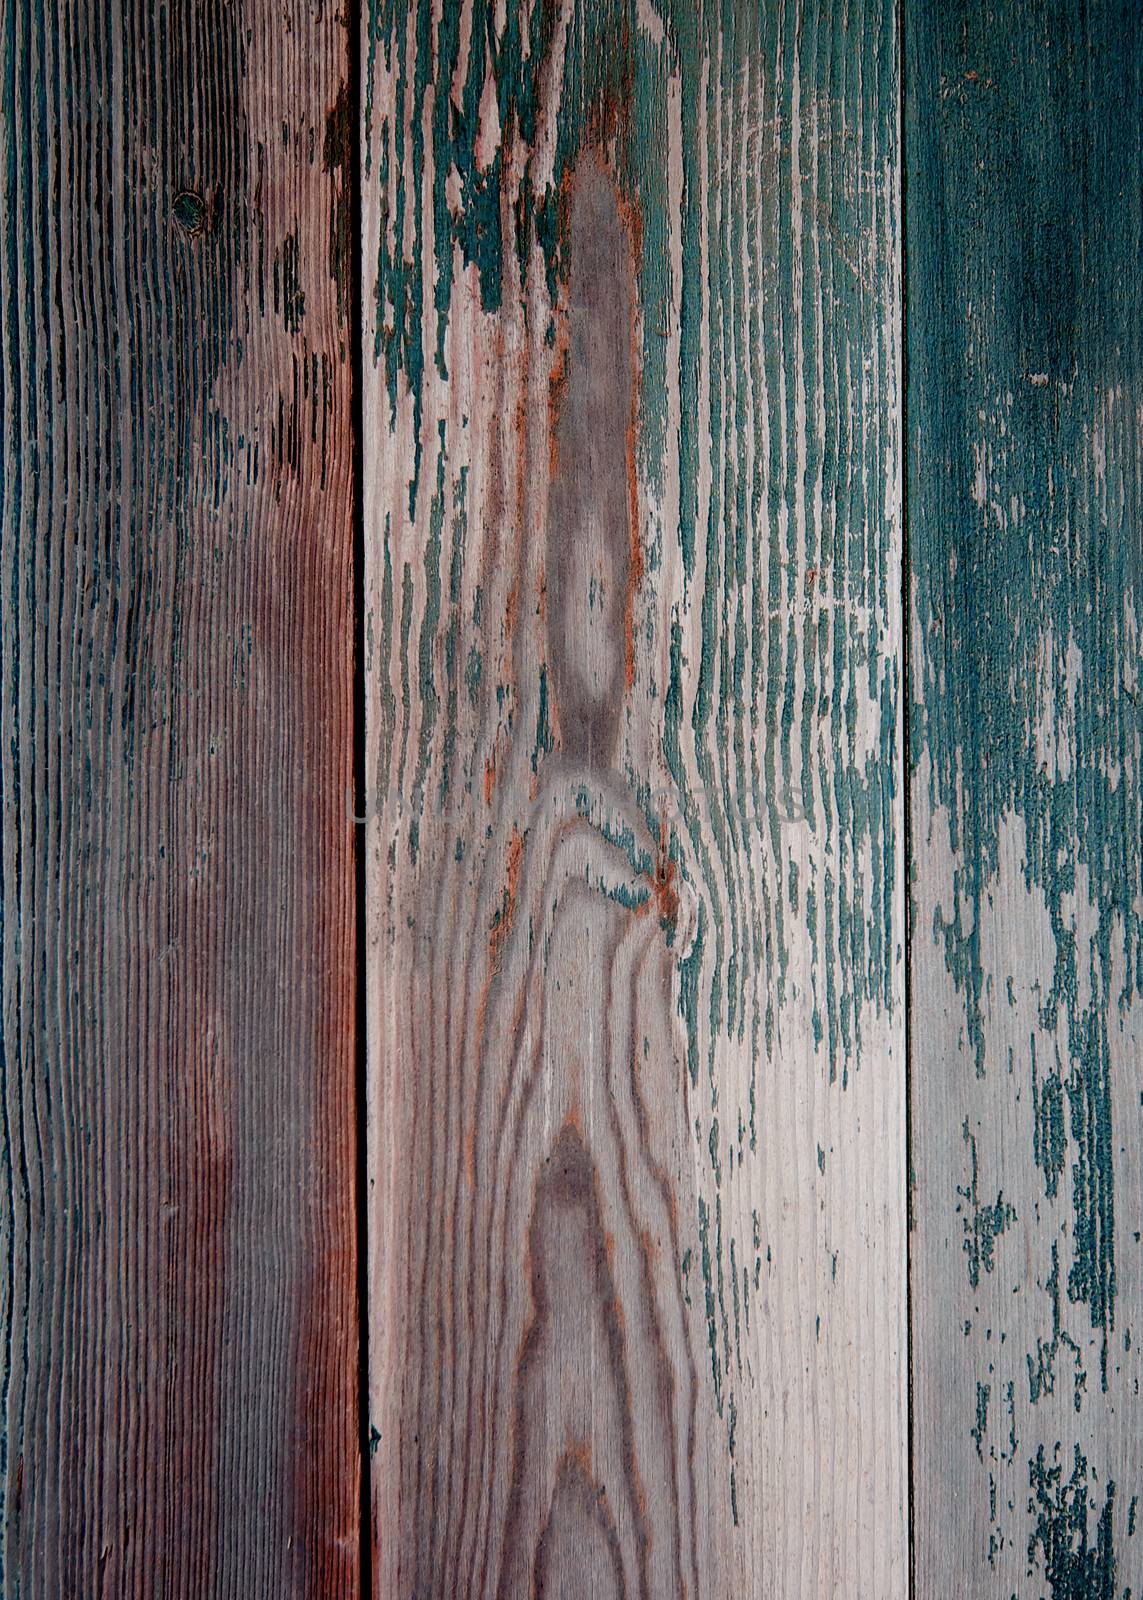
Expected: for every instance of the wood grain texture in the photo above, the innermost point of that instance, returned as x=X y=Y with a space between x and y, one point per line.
x=635 y=867
x=177 y=1302
x=1025 y=316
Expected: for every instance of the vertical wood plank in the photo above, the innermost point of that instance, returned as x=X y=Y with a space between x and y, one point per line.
x=1025 y=404
x=635 y=867
x=177 y=1304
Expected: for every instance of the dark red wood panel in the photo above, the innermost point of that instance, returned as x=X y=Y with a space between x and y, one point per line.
x=178 y=1310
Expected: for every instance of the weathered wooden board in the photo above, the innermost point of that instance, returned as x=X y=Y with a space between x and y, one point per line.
x=635 y=863
x=178 y=1302
x=1025 y=403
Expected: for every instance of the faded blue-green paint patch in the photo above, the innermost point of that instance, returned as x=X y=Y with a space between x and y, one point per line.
x=1049 y=1138
x=737 y=1336
x=690 y=973
x=545 y=738
x=719 y=1256
x=1024 y=478
x=1092 y=1274
x=1077 y=1562
x=614 y=85
x=615 y=832
x=708 y=1301
x=980 y=1427
x=621 y=894
x=1042 y=1368
x=1010 y=1402
x=406 y=684
x=982 y=1223
x=473 y=671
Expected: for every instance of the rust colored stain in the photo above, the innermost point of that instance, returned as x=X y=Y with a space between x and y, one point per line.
x=511 y=609
x=557 y=393
x=502 y=924
x=649 y=1245
x=663 y=887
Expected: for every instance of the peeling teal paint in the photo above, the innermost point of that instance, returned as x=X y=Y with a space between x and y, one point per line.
x=1026 y=499
x=1075 y=1563
x=1042 y=1371
x=708 y=1301
x=545 y=739
x=690 y=971
x=1050 y=1136
x=983 y=1391
x=1091 y=1277
x=982 y=1224
x=768 y=308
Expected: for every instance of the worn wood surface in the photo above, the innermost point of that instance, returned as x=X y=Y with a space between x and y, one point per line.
x=634 y=798
x=178 y=1308
x=1025 y=405
x=635 y=844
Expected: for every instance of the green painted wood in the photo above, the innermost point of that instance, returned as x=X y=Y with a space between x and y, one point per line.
x=177 y=1302
x=635 y=832
x=1024 y=231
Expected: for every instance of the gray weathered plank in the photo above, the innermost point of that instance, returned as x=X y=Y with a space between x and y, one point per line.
x=635 y=963
x=177 y=1303
x=1025 y=403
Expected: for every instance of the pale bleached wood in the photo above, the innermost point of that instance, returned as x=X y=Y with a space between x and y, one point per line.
x=1025 y=296
x=635 y=868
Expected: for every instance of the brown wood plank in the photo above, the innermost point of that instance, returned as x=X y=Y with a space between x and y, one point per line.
x=178 y=1305
x=635 y=961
